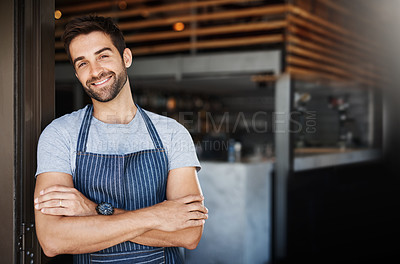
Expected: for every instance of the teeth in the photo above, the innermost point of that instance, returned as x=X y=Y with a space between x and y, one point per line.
x=103 y=81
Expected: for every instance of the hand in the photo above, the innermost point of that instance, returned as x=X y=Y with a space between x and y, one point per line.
x=63 y=200
x=178 y=214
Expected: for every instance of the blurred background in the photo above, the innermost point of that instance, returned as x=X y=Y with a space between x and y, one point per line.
x=292 y=106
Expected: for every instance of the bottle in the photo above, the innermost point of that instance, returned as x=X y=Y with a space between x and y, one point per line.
x=238 y=151
x=231 y=150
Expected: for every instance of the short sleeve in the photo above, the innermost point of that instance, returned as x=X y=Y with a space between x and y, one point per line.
x=53 y=152
x=182 y=152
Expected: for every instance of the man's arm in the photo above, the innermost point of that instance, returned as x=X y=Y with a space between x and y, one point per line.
x=181 y=182
x=59 y=234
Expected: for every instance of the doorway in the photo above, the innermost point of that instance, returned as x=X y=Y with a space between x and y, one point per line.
x=27 y=101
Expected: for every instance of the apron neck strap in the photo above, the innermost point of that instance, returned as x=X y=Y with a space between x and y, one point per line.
x=84 y=131
x=87 y=119
x=155 y=137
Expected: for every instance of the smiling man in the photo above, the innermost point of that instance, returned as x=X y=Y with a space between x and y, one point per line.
x=115 y=183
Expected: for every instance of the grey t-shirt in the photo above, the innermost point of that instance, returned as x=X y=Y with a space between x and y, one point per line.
x=57 y=144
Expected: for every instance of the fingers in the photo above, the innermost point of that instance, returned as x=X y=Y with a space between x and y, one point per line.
x=55 y=196
x=198 y=216
x=196 y=219
x=197 y=207
x=57 y=188
x=59 y=203
x=64 y=200
x=56 y=192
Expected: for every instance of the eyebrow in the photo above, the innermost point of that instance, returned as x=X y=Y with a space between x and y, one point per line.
x=96 y=53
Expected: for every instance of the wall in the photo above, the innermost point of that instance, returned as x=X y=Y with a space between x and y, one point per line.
x=238 y=197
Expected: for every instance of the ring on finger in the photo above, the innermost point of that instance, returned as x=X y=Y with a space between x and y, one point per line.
x=61 y=203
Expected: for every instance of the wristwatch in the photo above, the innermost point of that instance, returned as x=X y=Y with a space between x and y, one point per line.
x=104 y=209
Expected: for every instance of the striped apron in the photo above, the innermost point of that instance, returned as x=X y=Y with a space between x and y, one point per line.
x=130 y=181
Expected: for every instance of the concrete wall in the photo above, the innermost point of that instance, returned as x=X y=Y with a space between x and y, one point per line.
x=239 y=201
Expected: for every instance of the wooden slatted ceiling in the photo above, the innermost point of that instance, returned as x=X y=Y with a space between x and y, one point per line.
x=98 y=5
x=318 y=47
x=247 y=12
x=147 y=11
x=335 y=6
x=315 y=46
x=265 y=26
x=332 y=56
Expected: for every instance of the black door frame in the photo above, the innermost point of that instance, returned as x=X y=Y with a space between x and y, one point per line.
x=33 y=109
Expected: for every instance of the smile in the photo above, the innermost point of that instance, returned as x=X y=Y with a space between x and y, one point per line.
x=103 y=81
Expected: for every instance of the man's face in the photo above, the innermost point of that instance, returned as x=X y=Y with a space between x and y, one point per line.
x=98 y=65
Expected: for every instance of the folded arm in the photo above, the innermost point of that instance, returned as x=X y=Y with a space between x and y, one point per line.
x=61 y=234
x=181 y=182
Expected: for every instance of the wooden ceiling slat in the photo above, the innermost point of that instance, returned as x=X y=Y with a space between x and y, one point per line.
x=245 y=12
x=308 y=74
x=250 y=27
x=317 y=65
x=232 y=42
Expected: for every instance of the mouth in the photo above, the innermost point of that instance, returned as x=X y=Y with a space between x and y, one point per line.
x=101 y=82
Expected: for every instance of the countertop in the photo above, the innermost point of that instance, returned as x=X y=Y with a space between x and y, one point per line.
x=313 y=158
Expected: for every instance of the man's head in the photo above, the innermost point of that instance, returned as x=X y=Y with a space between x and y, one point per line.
x=98 y=54
x=87 y=24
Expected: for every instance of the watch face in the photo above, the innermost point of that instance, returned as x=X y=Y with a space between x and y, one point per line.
x=105 y=209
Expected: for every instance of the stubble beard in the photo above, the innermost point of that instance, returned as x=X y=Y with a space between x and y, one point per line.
x=107 y=93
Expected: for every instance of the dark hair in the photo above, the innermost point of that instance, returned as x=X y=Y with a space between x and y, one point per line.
x=89 y=24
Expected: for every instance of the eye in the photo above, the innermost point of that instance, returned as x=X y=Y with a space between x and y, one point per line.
x=103 y=56
x=81 y=64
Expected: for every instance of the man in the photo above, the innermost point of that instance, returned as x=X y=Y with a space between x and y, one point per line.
x=114 y=183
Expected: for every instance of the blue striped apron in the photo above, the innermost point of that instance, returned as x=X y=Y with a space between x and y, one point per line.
x=130 y=181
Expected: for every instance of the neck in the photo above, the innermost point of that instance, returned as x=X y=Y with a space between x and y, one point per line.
x=120 y=110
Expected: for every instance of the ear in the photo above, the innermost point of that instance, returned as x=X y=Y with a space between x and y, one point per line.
x=127 y=56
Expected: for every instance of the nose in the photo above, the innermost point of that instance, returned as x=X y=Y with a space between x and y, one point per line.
x=96 y=69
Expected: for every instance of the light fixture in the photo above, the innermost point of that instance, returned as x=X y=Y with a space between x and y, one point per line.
x=178 y=26
x=57 y=14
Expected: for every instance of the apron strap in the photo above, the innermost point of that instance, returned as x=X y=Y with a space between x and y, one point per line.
x=84 y=130
x=151 y=129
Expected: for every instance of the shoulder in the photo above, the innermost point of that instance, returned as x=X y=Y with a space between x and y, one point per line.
x=66 y=124
x=165 y=124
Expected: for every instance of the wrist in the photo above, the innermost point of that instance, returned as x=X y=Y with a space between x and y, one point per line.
x=104 y=208
x=89 y=209
x=93 y=208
